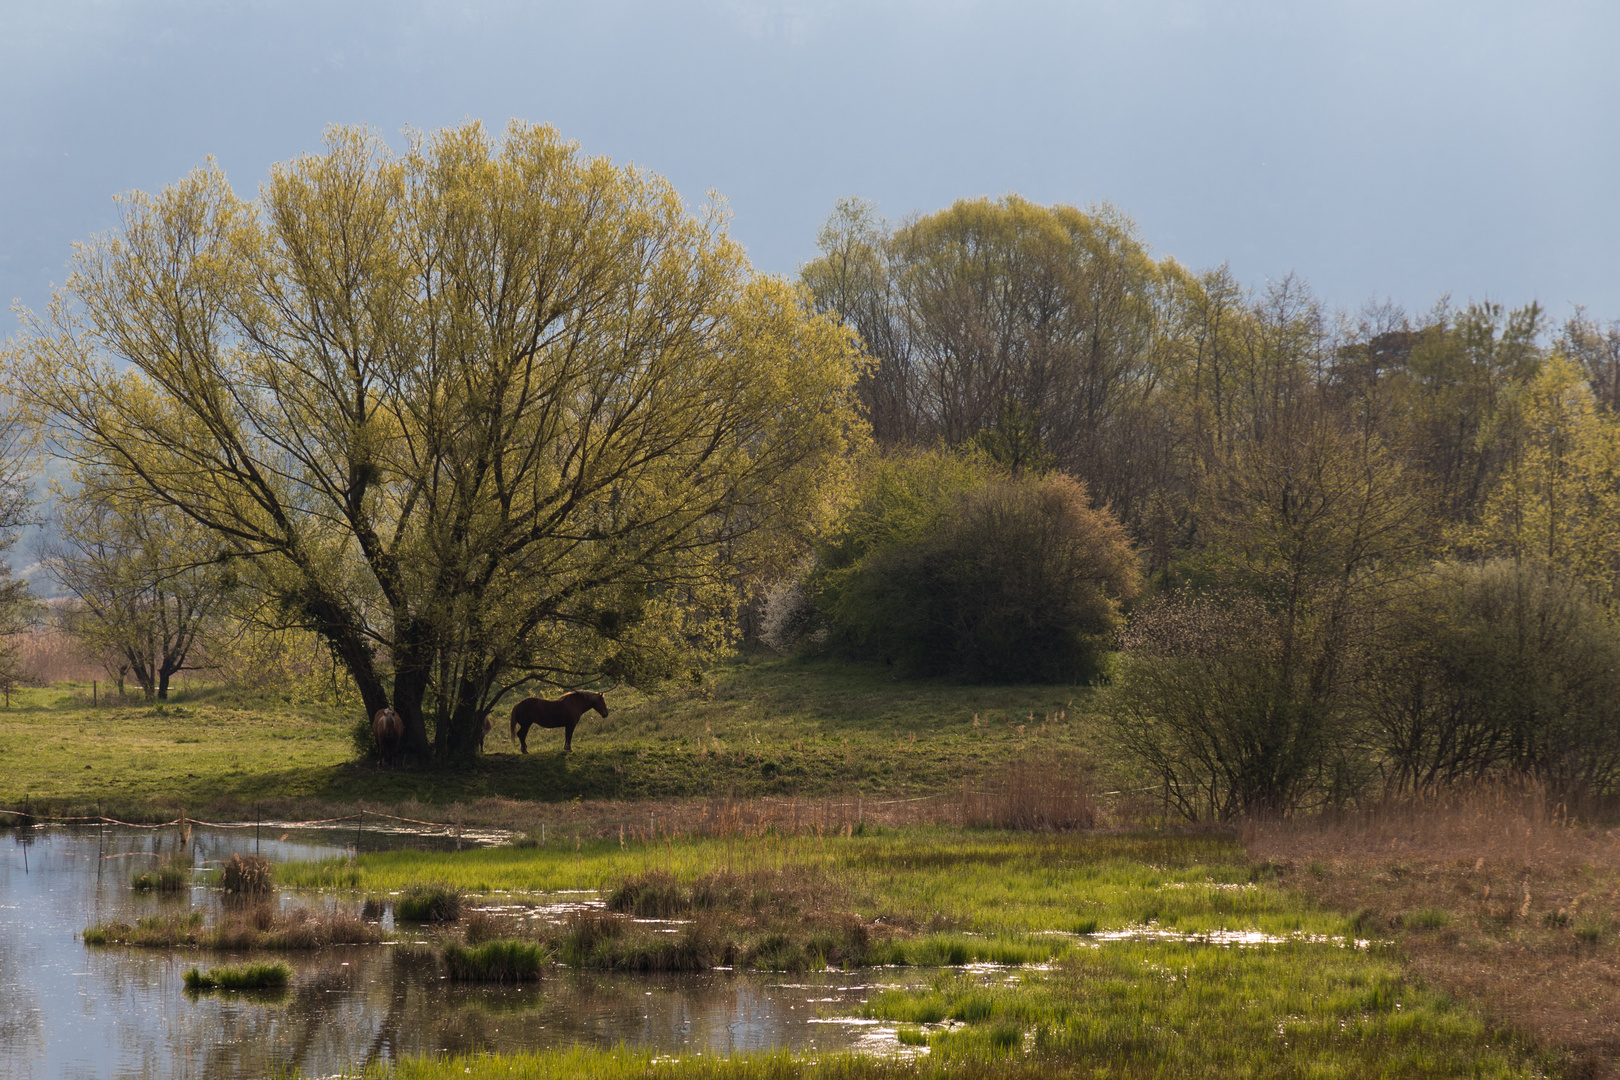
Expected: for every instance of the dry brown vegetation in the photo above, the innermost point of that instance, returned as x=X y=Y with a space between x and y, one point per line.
x=1495 y=895
x=48 y=654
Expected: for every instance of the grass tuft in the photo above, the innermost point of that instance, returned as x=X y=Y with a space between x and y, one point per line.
x=494 y=961
x=254 y=976
x=171 y=876
x=430 y=902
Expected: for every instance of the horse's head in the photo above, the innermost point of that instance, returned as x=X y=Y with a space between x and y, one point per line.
x=599 y=703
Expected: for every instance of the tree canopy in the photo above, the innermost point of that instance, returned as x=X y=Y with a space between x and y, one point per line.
x=484 y=412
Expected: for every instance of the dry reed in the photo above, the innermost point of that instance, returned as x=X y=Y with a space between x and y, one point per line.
x=1493 y=892
x=1045 y=794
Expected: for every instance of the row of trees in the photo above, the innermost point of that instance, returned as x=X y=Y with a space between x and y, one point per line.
x=1384 y=550
x=489 y=412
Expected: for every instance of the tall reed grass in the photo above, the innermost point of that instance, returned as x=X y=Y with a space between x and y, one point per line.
x=1052 y=792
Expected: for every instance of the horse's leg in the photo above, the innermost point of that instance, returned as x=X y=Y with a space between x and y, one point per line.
x=523 y=736
x=568 y=737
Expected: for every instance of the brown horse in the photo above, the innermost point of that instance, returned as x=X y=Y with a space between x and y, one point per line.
x=389 y=731
x=564 y=713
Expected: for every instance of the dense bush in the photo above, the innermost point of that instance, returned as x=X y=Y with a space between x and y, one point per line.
x=1493 y=669
x=946 y=567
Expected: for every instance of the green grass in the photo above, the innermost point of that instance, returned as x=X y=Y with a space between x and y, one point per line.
x=769 y=728
x=253 y=976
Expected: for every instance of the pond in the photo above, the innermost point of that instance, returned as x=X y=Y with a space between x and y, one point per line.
x=70 y=1010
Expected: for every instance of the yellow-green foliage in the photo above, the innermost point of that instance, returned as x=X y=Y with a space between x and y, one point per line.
x=1557 y=502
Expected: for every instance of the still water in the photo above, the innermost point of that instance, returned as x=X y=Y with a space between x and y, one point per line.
x=71 y=1011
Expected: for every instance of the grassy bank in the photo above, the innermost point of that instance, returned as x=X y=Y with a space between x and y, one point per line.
x=779 y=728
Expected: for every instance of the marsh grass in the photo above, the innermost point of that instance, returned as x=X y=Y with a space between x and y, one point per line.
x=253 y=976
x=494 y=961
x=260 y=926
x=1131 y=1010
x=172 y=875
x=1493 y=894
x=1050 y=791
x=921 y=881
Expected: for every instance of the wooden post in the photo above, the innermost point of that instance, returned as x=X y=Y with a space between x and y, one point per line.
x=95 y=693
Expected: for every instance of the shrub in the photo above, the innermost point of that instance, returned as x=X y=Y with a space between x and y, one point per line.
x=947 y=568
x=1225 y=707
x=1490 y=669
x=433 y=902
x=247 y=875
x=255 y=976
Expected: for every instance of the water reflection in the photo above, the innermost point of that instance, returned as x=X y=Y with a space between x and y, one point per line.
x=68 y=1010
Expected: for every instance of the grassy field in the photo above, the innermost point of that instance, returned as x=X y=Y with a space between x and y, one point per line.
x=779 y=728
x=1132 y=979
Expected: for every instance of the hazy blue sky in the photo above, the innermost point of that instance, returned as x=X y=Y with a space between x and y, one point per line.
x=1402 y=149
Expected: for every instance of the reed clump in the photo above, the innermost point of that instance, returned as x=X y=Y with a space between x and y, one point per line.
x=247 y=876
x=605 y=941
x=494 y=961
x=254 y=976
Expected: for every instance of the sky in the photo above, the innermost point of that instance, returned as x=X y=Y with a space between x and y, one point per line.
x=1404 y=151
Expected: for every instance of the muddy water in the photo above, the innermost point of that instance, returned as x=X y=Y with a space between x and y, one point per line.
x=71 y=1011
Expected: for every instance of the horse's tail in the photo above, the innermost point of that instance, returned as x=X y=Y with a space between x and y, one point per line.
x=512 y=728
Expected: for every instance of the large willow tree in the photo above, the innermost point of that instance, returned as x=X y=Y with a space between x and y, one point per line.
x=484 y=413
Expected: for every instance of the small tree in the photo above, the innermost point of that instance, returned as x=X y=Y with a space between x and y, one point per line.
x=148 y=584
x=16 y=446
